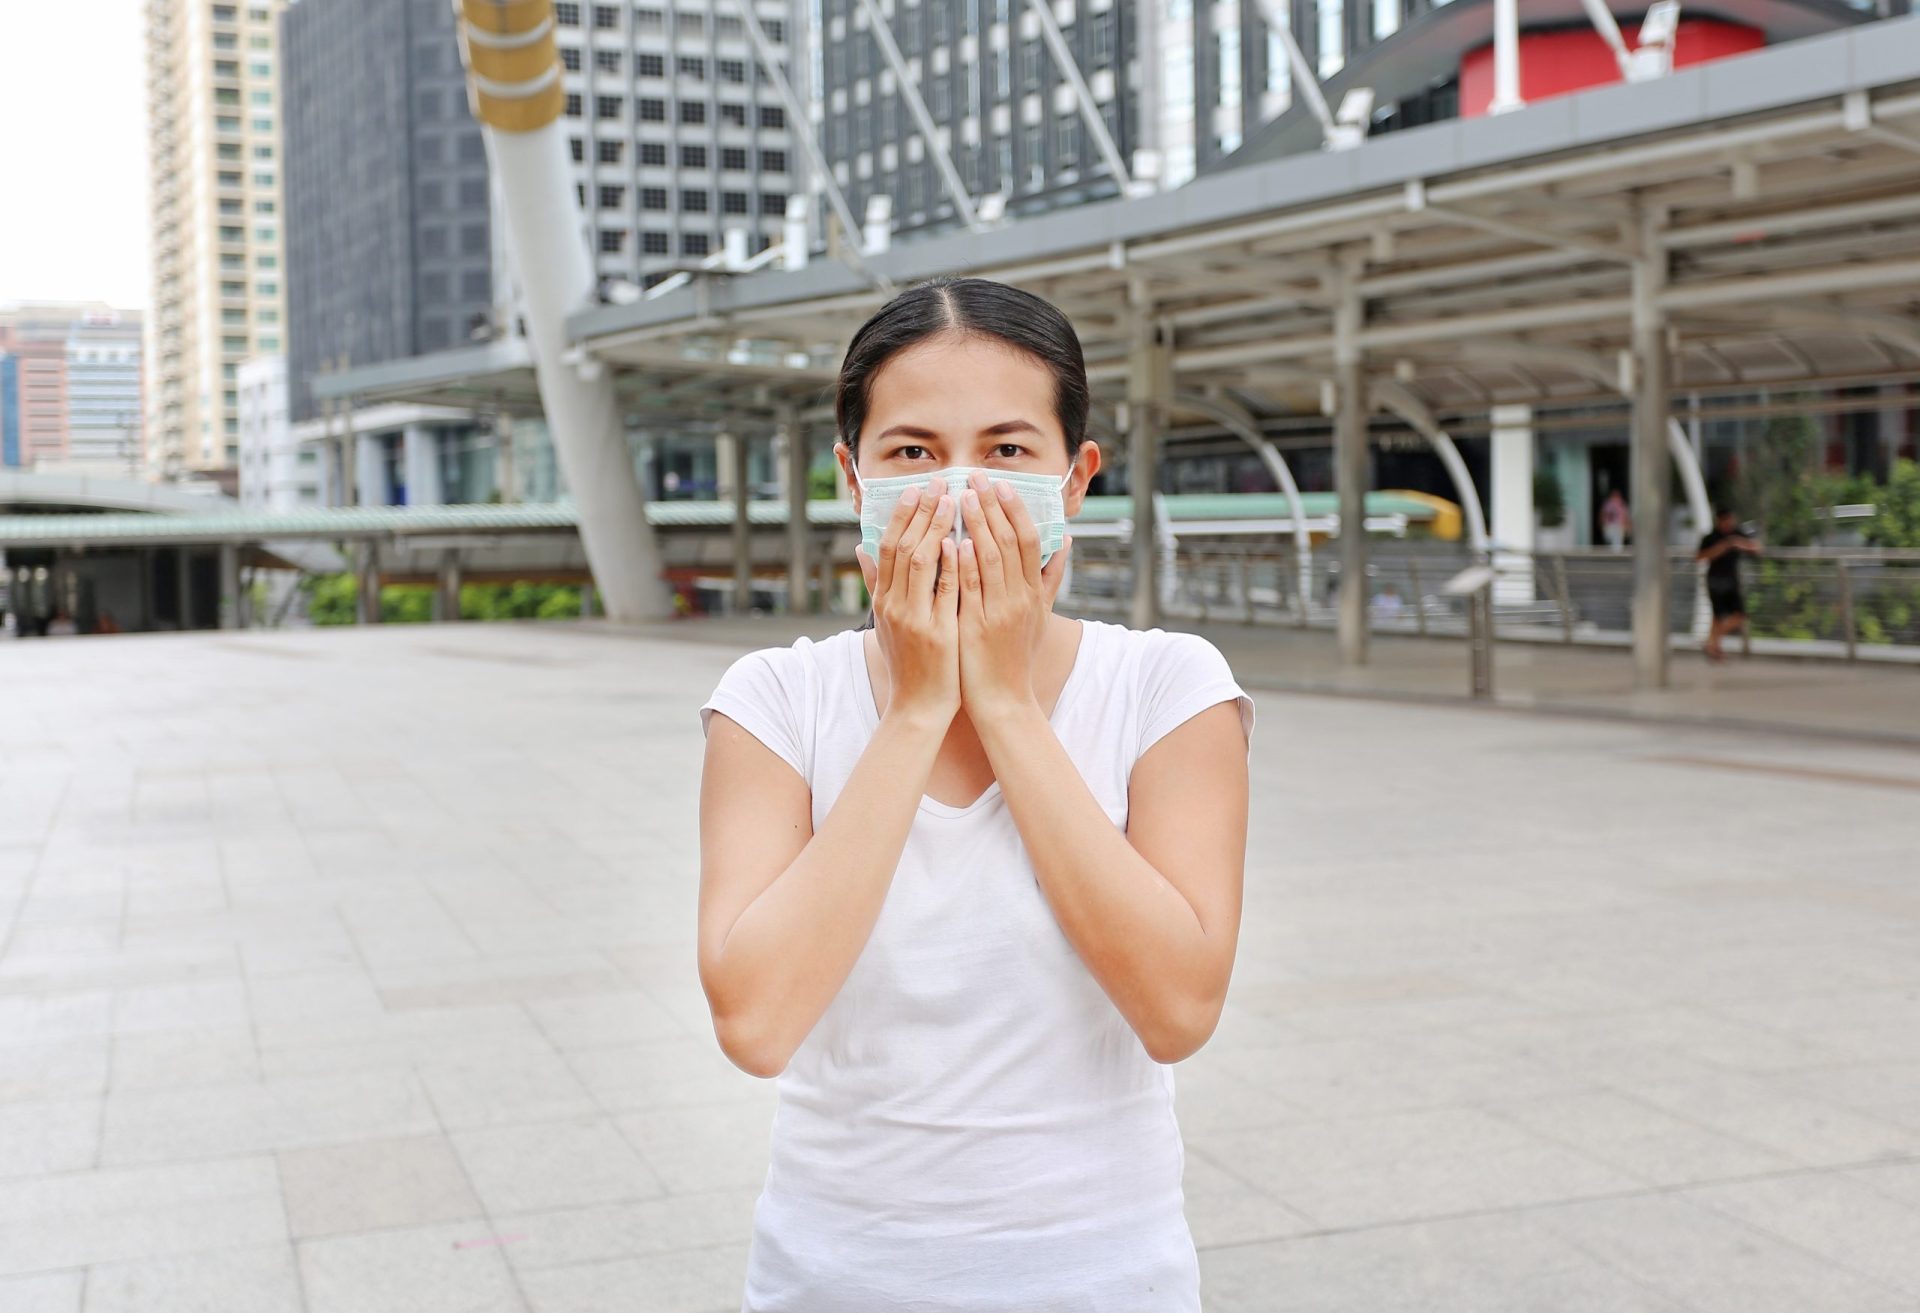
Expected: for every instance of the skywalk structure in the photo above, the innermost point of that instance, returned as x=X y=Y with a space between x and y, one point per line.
x=1750 y=223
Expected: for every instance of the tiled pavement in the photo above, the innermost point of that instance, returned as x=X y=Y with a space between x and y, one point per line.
x=352 y=971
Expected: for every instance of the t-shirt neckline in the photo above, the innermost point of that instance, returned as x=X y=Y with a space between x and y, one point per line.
x=870 y=712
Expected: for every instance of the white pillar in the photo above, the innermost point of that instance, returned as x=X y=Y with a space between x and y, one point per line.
x=369 y=469
x=1512 y=498
x=515 y=78
x=1506 y=57
x=421 y=458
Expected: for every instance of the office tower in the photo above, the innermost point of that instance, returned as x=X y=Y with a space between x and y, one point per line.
x=76 y=385
x=389 y=242
x=213 y=151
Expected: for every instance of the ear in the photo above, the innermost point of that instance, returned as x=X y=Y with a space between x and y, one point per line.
x=844 y=456
x=1086 y=464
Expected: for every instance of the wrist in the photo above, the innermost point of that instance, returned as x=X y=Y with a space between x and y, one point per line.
x=918 y=718
x=1005 y=712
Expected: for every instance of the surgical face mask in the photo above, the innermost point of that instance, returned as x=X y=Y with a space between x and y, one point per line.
x=1041 y=494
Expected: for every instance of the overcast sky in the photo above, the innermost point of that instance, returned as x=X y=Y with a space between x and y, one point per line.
x=73 y=165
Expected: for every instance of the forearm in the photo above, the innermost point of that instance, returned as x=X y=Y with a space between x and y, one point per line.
x=791 y=950
x=1138 y=935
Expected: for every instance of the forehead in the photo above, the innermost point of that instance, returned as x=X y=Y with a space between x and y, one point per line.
x=963 y=374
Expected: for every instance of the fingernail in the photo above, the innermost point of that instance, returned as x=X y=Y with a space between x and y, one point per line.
x=977 y=480
x=946 y=503
x=1004 y=488
x=973 y=500
x=910 y=495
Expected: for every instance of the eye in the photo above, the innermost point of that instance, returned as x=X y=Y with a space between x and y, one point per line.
x=1009 y=450
x=908 y=451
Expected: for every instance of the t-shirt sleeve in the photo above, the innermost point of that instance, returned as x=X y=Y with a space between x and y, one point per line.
x=1181 y=675
x=763 y=692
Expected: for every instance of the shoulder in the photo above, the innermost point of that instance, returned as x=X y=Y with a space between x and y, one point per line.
x=776 y=694
x=1173 y=676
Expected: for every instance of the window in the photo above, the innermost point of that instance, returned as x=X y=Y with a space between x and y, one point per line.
x=263 y=152
x=773 y=202
x=267 y=289
x=226 y=123
x=570 y=59
x=225 y=13
x=607 y=61
x=579 y=149
x=654 y=243
x=733 y=157
x=229 y=178
x=693 y=157
x=691 y=66
x=733 y=70
x=226 y=68
x=608 y=107
x=653 y=152
x=262 y=125
x=653 y=198
x=653 y=110
x=734 y=114
x=263 y=180
x=690 y=24
x=773 y=161
x=473 y=239
x=728 y=26
x=260 y=70
x=733 y=202
x=1066 y=141
x=772 y=116
x=695 y=243
x=267 y=262
x=613 y=240
x=694 y=202
x=649 y=20
x=608 y=152
x=473 y=193
x=566 y=15
x=651 y=66
x=233 y=289
x=693 y=111
x=612 y=198
x=229 y=233
x=776 y=30
x=573 y=104
x=263 y=207
x=606 y=17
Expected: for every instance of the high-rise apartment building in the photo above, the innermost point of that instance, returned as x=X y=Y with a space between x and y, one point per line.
x=677 y=133
x=76 y=385
x=1005 y=110
x=213 y=121
x=9 y=410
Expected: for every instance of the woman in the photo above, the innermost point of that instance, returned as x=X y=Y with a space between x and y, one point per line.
x=970 y=876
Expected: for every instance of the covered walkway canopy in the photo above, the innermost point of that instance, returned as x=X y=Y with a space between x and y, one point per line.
x=1749 y=223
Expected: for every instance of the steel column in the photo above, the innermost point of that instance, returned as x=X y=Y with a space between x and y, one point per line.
x=1651 y=456
x=1351 y=470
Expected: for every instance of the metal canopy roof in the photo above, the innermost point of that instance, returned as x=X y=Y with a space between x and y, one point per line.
x=1494 y=254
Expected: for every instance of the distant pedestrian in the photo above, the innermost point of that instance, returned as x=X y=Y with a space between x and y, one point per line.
x=1616 y=520
x=1721 y=549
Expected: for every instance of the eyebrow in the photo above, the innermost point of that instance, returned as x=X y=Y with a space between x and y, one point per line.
x=1005 y=426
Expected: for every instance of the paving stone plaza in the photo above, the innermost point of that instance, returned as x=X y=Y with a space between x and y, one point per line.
x=352 y=971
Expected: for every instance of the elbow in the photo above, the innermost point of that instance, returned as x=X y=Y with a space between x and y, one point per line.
x=1183 y=1033
x=749 y=1048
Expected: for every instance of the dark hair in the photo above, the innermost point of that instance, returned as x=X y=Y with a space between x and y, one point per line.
x=969 y=307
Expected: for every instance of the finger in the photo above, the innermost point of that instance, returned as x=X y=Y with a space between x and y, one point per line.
x=995 y=498
x=969 y=580
x=1025 y=533
x=903 y=513
x=985 y=546
x=1054 y=572
x=926 y=554
x=869 y=569
x=946 y=597
x=925 y=506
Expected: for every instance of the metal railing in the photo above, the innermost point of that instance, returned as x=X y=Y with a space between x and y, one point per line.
x=1848 y=603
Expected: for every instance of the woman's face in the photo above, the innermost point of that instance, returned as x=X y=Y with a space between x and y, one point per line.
x=953 y=400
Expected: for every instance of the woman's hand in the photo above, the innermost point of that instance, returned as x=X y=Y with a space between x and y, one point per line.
x=915 y=612
x=1005 y=599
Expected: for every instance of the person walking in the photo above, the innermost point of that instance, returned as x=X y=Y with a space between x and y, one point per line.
x=1616 y=520
x=971 y=874
x=1721 y=549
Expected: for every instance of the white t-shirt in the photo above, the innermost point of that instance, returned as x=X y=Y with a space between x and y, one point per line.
x=972 y=1125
